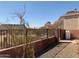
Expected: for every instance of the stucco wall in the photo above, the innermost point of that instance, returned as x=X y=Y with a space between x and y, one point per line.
x=74 y=34
x=71 y=24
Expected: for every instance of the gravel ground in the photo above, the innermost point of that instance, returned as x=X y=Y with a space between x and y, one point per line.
x=53 y=52
x=68 y=52
x=63 y=50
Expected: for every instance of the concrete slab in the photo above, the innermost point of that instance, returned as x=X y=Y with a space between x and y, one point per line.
x=65 y=40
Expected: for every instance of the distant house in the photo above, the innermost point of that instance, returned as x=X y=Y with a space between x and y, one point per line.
x=11 y=26
x=70 y=23
x=48 y=25
x=71 y=20
x=7 y=28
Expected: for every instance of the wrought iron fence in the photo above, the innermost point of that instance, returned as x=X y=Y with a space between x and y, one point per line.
x=14 y=37
x=37 y=34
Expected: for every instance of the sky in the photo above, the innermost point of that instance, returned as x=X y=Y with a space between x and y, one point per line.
x=37 y=12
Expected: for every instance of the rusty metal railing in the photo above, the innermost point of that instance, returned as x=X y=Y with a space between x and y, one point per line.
x=14 y=37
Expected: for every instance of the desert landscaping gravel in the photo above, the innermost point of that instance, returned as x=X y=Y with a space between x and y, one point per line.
x=54 y=51
x=63 y=50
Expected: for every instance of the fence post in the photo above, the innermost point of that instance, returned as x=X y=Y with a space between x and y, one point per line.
x=28 y=48
x=24 y=47
x=47 y=33
x=59 y=32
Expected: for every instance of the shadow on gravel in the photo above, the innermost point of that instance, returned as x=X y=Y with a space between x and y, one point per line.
x=50 y=47
x=46 y=49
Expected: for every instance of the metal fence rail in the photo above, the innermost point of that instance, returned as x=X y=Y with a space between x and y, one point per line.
x=14 y=37
x=36 y=34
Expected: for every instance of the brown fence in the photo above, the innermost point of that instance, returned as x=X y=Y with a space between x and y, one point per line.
x=19 y=42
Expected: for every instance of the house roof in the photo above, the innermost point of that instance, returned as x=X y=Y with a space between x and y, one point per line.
x=72 y=12
x=11 y=26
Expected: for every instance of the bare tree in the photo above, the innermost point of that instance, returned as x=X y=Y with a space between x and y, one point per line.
x=20 y=15
x=27 y=24
x=28 y=49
